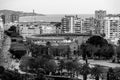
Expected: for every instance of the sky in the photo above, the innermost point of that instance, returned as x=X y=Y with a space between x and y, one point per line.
x=62 y=6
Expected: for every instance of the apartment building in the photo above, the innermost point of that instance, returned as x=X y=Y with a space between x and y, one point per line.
x=68 y=24
x=89 y=25
x=99 y=16
x=112 y=26
x=1 y=29
x=72 y=24
x=78 y=24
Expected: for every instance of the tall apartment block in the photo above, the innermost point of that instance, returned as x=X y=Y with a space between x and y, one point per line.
x=112 y=26
x=68 y=24
x=99 y=16
x=7 y=18
x=1 y=30
x=71 y=24
x=78 y=25
x=89 y=25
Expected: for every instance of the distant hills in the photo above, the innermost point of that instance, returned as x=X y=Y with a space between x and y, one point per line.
x=20 y=13
x=38 y=17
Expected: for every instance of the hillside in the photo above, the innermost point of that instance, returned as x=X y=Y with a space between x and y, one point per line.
x=20 y=13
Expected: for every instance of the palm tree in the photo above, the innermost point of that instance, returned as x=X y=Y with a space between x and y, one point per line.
x=84 y=51
x=96 y=72
x=110 y=74
x=69 y=66
x=84 y=70
x=50 y=66
x=40 y=74
x=61 y=66
x=117 y=73
x=77 y=66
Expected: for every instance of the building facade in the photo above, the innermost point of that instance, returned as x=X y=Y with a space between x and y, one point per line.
x=68 y=24
x=78 y=25
x=1 y=32
x=112 y=26
x=72 y=24
x=48 y=29
x=99 y=16
x=89 y=25
x=7 y=18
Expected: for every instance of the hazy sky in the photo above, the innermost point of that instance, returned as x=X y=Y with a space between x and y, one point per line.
x=62 y=6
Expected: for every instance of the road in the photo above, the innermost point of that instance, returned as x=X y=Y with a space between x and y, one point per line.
x=5 y=59
x=102 y=63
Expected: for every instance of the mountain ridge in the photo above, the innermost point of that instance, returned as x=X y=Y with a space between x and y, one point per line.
x=20 y=13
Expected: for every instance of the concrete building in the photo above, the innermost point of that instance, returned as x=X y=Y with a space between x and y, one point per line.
x=14 y=17
x=88 y=25
x=7 y=18
x=48 y=29
x=78 y=25
x=99 y=16
x=68 y=24
x=1 y=32
x=112 y=26
x=72 y=24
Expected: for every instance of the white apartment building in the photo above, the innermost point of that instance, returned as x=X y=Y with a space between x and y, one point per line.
x=1 y=29
x=112 y=27
x=68 y=24
x=78 y=25
x=48 y=29
x=72 y=24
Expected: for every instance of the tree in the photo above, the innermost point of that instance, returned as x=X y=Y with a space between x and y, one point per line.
x=111 y=74
x=12 y=28
x=27 y=63
x=40 y=74
x=84 y=70
x=50 y=66
x=97 y=72
x=69 y=65
x=72 y=67
x=118 y=52
x=84 y=50
x=40 y=62
x=105 y=52
x=117 y=73
x=2 y=69
x=97 y=41
x=61 y=66
x=18 y=50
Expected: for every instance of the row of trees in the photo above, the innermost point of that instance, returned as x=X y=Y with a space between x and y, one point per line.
x=44 y=66
x=37 y=50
